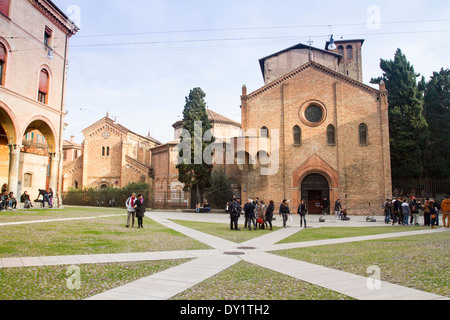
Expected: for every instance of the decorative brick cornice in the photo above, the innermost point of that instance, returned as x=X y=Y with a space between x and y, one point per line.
x=56 y=16
x=306 y=66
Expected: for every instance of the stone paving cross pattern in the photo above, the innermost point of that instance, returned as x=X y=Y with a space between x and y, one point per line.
x=207 y=263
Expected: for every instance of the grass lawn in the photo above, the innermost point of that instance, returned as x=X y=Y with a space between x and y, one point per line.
x=222 y=230
x=313 y=234
x=50 y=283
x=92 y=236
x=245 y=281
x=67 y=212
x=420 y=262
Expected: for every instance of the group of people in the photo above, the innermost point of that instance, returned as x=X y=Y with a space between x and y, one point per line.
x=403 y=212
x=135 y=208
x=9 y=202
x=260 y=215
x=256 y=213
x=203 y=207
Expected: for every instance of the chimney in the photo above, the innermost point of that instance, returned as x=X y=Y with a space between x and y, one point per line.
x=244 y=90
x=71 y=138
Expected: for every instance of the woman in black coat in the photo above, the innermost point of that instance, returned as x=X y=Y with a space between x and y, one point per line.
x=140 y=210
x=269 y=213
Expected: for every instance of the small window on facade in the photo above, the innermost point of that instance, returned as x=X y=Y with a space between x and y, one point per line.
x=27 y=180
x=297 y=136
x=264 y=132
x=107 y=151
x=48 y=37
x=349 y=52
x=331 y=135
x=341 y=50
x=2 y=64
x=363 y=135
x=43 y=86
x=103 y=151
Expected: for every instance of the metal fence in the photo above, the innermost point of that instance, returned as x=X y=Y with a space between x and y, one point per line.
x=422 y=188
x=102 y=198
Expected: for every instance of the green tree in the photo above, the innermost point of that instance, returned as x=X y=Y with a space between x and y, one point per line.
x=437 y=114
x=193 y=173
x=408 y=128
x=219 y=192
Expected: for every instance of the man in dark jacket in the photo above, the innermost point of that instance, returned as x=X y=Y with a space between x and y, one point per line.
x=234 y=208
x=249 y=210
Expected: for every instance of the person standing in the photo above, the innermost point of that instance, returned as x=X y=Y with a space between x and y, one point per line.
x=397 y=205
x=262 y=214
x=302 y=212
x=405 y=211
x=337 y=209
x=445 y=207
x=249 y=210
x=235 y=212
x=50 y=198
x=387 y=211
x=131 y=211
x=326 y=206
x=269 y=213
x=285 y=212
x=140 y=210
x=434 y=210
x=427 y=212
x=414 y=206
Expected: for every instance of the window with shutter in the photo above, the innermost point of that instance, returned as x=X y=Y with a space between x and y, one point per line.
x=43 y=86
x=4 y=7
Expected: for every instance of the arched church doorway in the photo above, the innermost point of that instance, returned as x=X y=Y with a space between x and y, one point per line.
x=315 y=187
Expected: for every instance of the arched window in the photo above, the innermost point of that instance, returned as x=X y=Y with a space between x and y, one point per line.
x=28 y=180
x=43 y=86
x=363 y=135
x=2 y=64
x=103 y=151
x=341 y=50
x=297 y=136
x=264 y=132
x=331 y=135
x=349 y=52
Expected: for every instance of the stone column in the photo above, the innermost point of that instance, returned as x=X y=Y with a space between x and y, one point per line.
x=54 y=175
x=13 y=177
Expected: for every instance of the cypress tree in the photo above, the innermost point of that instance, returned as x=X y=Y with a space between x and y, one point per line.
x=195 y=176
x=408 y=127
x=437 y=114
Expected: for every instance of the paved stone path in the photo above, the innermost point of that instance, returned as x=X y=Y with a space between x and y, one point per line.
x=207 y=263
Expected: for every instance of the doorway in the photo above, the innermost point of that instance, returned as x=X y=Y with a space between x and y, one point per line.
x=314 y=188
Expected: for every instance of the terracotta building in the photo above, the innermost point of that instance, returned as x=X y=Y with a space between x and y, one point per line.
x=112 y=156
x=328 y=131
x=34 y=42
x=168 y=190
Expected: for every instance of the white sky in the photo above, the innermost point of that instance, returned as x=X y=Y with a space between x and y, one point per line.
x=127 y=59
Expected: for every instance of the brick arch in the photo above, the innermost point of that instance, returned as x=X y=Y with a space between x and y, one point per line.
x=315 y=164
x=9 y=123
x=45 y=126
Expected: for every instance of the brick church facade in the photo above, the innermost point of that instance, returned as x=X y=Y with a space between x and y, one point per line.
x=332 y=130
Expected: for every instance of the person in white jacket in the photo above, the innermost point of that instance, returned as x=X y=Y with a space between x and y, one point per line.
x=131 y=208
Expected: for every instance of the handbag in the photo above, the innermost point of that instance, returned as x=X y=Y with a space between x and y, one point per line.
x=260 y=221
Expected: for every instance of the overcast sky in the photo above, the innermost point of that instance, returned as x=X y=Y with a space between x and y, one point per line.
x=139 y=59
